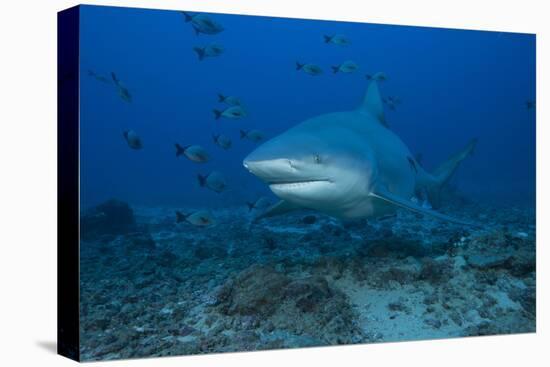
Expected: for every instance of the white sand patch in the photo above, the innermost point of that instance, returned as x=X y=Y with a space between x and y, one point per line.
x=410 y=323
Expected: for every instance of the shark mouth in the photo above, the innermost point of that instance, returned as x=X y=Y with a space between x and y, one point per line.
x=289 y=185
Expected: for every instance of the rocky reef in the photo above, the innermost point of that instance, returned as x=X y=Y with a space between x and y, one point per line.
x=151 y=287
x=113 y=217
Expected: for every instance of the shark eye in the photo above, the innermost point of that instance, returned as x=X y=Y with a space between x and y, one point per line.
x=317 y=158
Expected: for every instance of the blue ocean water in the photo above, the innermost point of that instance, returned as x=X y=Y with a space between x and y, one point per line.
x=454 y=85
x=154 y=285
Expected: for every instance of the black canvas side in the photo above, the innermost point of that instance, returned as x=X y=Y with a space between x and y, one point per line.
x=67 y=183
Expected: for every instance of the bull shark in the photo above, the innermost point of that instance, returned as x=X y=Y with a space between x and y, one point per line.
x=349 y=165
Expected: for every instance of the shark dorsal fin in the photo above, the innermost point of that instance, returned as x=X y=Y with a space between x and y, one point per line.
x=372 y=103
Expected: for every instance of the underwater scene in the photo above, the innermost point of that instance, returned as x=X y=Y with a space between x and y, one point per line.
x=252 y=183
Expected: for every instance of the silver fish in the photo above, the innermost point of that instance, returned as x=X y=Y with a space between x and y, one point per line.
x=391 y=102
x=212 y=50
x=345 y=67
x=196 y=153
x=202 y=23
x=252 y=135
x=122 y=90
x=215 y=181
x=222 y=141
x=337 y=39
x=230 y=100
x=98 y=77
x=260 y=204
x=200 y=218
x=310 y=69
x=379 y=76
x=133 y=139
x=233 y=112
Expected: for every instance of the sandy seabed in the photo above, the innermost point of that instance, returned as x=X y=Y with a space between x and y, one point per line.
x=158 y=288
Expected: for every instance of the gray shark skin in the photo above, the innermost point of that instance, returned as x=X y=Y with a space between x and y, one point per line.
x=348 y=165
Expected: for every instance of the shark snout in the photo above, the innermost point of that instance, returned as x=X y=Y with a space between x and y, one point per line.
x=270 y=170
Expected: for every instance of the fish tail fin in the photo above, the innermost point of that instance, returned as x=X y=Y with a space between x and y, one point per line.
x=221 y=98
x=442 y=174
x=215 y=137
x=180 y=217
x=243 y=133
x=335 y=69
x=179 y=150
x=327 y=38
x=115 y=79
x=202 y=180
x=200 y=52
x=368 y=76
x=250 y=206
x=125 y=134
x=187 y=16
x=299 y=66
x=217 y=114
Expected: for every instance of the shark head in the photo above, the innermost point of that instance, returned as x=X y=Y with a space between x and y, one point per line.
x=317 y=168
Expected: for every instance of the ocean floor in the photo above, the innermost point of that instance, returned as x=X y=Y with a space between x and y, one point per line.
x=151 y=287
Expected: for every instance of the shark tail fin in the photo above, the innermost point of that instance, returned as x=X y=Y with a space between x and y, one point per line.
x=445 y=171
x=299 y=66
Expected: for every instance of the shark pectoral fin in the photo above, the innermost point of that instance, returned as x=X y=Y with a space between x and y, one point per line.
x=388 y=197
x=281 y=207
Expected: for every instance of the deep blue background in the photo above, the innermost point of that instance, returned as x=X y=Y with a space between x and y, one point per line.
x=454 y=84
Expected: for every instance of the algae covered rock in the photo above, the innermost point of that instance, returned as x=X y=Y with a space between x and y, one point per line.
x=307 y=306
x=309 y=294
x=256 y=291
x=435 y=271
x=500 y=250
